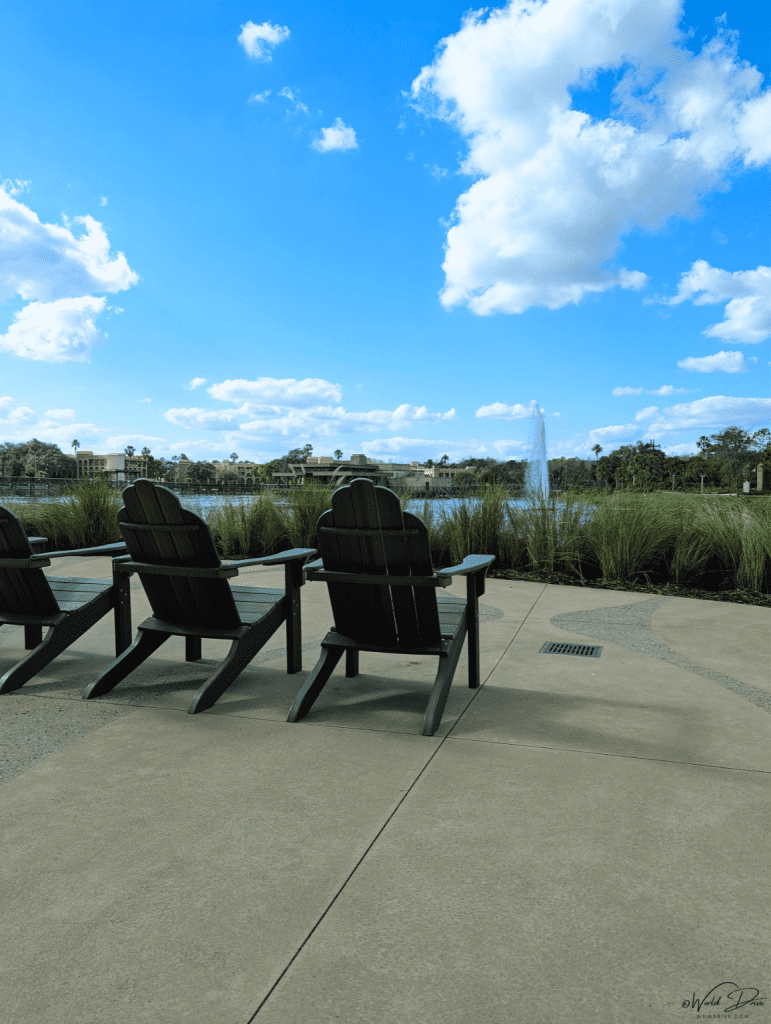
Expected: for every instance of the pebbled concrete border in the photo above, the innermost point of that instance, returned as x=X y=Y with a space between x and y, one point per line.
x=631 y=626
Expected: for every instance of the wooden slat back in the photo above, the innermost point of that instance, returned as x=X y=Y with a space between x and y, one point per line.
x=382 y=541
x=22 y=591
x=176 y=536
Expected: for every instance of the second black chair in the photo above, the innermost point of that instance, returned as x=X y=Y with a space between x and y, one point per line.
x=173 y=552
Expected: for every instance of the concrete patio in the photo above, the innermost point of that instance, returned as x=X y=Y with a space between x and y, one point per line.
x=584 y=839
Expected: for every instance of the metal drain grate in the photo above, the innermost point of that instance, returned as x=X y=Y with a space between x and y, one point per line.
x=581 y=650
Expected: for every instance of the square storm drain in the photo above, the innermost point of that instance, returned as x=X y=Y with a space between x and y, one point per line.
x=580 y=650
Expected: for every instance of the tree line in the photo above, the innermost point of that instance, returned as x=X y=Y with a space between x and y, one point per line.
x=723 y=461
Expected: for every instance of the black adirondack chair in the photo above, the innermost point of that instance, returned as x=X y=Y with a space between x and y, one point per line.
x=67 y=606
x=377 y=564
x=173 y=551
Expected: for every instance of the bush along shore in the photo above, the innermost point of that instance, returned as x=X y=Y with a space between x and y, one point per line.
x=715 y=547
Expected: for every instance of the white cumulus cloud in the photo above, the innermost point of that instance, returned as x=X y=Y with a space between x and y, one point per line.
x=627 y=391
x=56 y=271
x=728 y=362
x=47 y=261
x=556 y=189
x=54 y=331
x=646 y=414
x=337 y=137
x=62 y=415
x=259 y=41
x=747 y=317
x=196 y=382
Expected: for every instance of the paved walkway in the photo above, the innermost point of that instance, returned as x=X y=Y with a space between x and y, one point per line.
x=584 y=840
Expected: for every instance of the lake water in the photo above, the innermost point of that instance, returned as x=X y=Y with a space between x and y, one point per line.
x=204 y=503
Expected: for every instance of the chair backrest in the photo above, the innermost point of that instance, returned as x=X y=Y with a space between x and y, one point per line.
x=156 y=529
x=366 y=531
x=22 y=591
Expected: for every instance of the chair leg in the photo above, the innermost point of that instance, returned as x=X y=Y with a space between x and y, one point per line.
x=293 y=580
x=238 y=657
x=315 y=683
x=122 y=612
x=351 y=662
x=33 y=635
x=472 y=625
x=57 y=639
x=442 y=684
x=192 y=648
x=146 y=643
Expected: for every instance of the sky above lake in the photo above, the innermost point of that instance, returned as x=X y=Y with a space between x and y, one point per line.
x=393 y=228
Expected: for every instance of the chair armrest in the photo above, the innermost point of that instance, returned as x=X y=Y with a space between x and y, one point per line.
x=474 y=568
x=471 y=563
x=221 y=572
x=33 y=562
x=119 y=548
x=291 y=555
x=35 y=543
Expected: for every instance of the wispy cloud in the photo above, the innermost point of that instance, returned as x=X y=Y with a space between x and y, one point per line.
x=500 y=411
x=298 y=407
x=196 y=382
x=664 y=390
x=556 y=189
x=259 y=41
x=260 y=97
x=288 y=94
x=338 y=137
x=728 y=362
x=436 y=171
x=714 y=412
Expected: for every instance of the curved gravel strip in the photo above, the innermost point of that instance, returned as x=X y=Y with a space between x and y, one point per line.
x=631 y=626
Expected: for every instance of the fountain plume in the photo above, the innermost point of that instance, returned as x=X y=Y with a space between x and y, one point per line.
x=537 y=483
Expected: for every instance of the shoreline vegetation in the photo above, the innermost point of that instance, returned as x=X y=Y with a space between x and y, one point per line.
x=705 y=546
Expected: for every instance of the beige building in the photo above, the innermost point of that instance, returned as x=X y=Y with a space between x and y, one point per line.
x=243 y=470
x=117 y=465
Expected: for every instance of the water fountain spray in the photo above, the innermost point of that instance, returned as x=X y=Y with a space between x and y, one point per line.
x=538 y=469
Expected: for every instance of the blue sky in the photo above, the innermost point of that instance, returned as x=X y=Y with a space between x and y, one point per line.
x=383 y=227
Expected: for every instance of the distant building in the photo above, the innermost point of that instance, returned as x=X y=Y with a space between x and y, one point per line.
x=117 y=465
x=243 y=470
x=404 y=476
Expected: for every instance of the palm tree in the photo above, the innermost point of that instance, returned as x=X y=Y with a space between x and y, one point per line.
x=597 y=449
x=76 y=444
x=338 y=454
x=233 y=457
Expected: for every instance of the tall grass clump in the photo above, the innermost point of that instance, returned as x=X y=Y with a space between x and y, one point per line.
x=249 y=531
x=85 y=516
x=550 y=534
x=734 y=543
x=629 y=536
x=301 y=513
x=473 y=525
